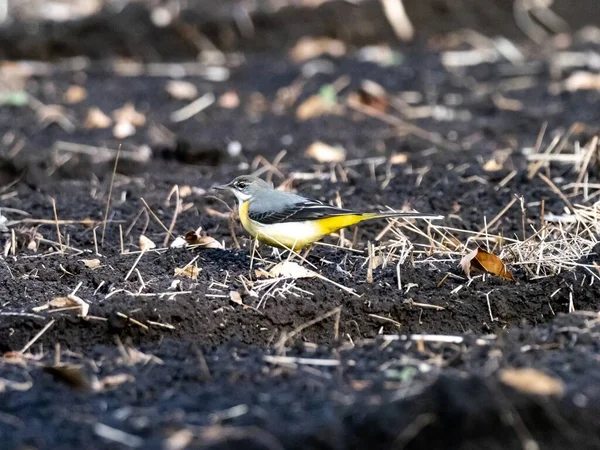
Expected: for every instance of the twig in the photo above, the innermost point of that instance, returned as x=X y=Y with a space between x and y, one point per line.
x=60 y=246
x=586 y=162
x=287 y=336
x=110 y=189
x=174 y=190
x=37 y=336
x=557 y=191
x=189 y=111
x=156 y=217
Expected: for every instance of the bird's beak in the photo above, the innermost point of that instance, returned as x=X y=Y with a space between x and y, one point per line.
x=221 y=187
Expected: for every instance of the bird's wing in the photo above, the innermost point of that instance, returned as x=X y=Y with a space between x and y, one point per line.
x=297 y=212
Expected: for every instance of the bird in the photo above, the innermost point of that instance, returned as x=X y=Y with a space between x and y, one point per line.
x=289 y=221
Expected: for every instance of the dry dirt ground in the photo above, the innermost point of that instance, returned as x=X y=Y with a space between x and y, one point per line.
x=391 y=344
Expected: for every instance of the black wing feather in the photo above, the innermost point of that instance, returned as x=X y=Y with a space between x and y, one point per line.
x=298 y=212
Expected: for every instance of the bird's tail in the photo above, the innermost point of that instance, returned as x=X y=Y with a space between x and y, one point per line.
x=401 y=215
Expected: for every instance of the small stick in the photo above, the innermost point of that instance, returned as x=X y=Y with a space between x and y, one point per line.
x=135 y=264
x=287 y=336
x=175 y=214
x=121 y=239
x=586 y=162
x=110 y=189
x=156 y=217
x=96 y=241
x=498 y=216
x=37 y=336
x=190 y=110
x=370 y=266
x=557 y=191
x=57 y=226
x=132 y=320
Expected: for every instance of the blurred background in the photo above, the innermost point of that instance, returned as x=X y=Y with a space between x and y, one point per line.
x=181 y=29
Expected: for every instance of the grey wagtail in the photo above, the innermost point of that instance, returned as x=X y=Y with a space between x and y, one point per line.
x=285 y=220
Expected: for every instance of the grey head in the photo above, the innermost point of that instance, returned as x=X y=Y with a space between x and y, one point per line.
x=246 y=187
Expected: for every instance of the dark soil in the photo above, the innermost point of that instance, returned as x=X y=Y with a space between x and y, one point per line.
x=208 y=379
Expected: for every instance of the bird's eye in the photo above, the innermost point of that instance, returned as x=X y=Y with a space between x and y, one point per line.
x=241 y=185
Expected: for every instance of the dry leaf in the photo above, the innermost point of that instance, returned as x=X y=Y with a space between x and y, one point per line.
x=290 y=269
x=146 y=244
x=532 y=381
x=315 y=106
x=373 y=95
x=310 y=48
x=179 y=242
x=181 y=90
x=123 y=130
x=32 y=245
x=97 y=119
x=91 y=263
x=492 y=165
x=193 y=238
x=488 y=262
x=179 y=440
x=189 y=271
x=324 y=153
x=66 y=302
x=185 y=191
x=229 y=100
x=71 y=375
x=236 y=298
x=75 y=94
x=398 y=158
x=129 y=114
x=209 y=242
x=88 y=223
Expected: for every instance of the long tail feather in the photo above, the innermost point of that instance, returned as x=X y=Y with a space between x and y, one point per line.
x=401 y=215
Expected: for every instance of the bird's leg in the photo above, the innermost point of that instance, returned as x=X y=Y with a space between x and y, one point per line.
x=254 y=245
x=306 y=252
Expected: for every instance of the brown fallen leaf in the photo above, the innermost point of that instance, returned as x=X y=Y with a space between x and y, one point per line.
x=236 y=298
x=310 y=48
x=145 y=243
x=399 y=158
x=123 y=130
x=189 y=271
x=290 y=269
x=532 y=381
x=229 y=100
x=325 y=153
x=91 y=263
x=181 y=90
x=97 y=119
x=70 y=301
x=75 y=94
x=88 y=223
x=488 y=262
x=128 y=113
x=325 y=102
x=373 y=95
x=71 y=375
x=192 y=238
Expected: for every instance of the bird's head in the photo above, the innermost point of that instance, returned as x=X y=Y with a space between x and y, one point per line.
x=245 y=187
